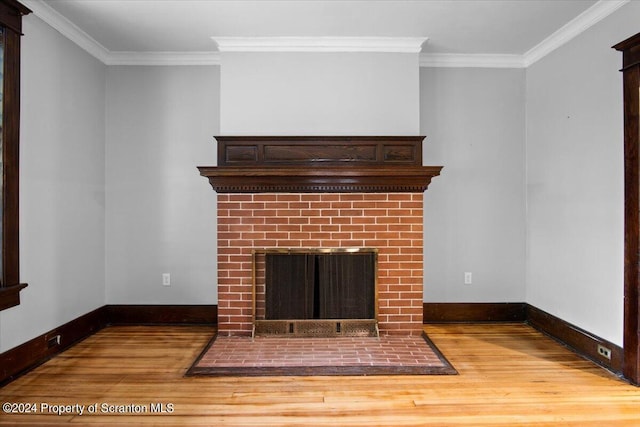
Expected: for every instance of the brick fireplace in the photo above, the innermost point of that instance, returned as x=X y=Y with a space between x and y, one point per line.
x=321 y=192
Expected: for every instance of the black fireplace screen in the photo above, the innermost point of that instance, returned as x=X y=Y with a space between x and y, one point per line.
x=334 y=285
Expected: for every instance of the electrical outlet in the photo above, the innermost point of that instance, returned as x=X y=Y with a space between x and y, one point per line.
x=53 y=341
x=604 y=352
x=166 y=279
x=468 y=278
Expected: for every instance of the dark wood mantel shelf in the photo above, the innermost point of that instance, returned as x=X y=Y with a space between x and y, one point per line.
x=320 y=179
x=320 y=164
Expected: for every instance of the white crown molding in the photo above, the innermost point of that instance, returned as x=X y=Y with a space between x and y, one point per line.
x=582 y=22
x=320 y=44
x=571 y=29
x=163 y=58
x=67 y=28
x=451 y=60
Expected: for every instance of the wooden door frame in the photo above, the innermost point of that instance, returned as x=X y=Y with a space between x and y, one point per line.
x=630 y=49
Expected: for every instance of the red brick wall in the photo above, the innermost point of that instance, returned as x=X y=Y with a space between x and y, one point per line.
x=391 y=222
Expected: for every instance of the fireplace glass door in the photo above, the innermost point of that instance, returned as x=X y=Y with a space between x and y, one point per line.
x=334 y=285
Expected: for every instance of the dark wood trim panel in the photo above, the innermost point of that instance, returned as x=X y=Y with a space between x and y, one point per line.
x=296 y=150
x=474 y=312
x=32 y=353
x=632 y=229
x=10 y=295
x=319 y=164
x=11 y=159
x=577 y=339
x=162 y=314
x=11 y=13
x=27 y=356
x=630 y=49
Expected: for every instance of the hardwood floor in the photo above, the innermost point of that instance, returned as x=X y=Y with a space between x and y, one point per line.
x=509 y=374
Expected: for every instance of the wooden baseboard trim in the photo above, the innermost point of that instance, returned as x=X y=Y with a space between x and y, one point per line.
x=575 y=338
x=162 y=314
x=25 y=357
x=474 y=312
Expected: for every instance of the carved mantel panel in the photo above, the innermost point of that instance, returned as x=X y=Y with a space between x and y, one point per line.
x=320 y=164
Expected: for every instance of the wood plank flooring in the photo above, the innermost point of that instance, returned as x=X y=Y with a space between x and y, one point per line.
x=509 y=375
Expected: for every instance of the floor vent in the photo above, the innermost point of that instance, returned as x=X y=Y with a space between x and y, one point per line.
x=319 y=328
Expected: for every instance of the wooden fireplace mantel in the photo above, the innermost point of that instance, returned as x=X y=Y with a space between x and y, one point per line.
x=336 y=164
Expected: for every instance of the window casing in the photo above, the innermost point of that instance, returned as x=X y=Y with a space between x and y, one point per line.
x=11 y=13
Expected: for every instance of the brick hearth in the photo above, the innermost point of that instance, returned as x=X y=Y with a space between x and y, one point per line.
x=390 y=222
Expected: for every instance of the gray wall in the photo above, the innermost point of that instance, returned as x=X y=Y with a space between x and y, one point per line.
x=475 y=211
x=575 y=178
x=326 y=93
x=160 y=214
x=62 y=185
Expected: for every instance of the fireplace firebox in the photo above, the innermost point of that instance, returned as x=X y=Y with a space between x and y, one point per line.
x=315 y=291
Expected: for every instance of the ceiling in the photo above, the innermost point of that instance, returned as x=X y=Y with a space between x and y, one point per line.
x=458 y=27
